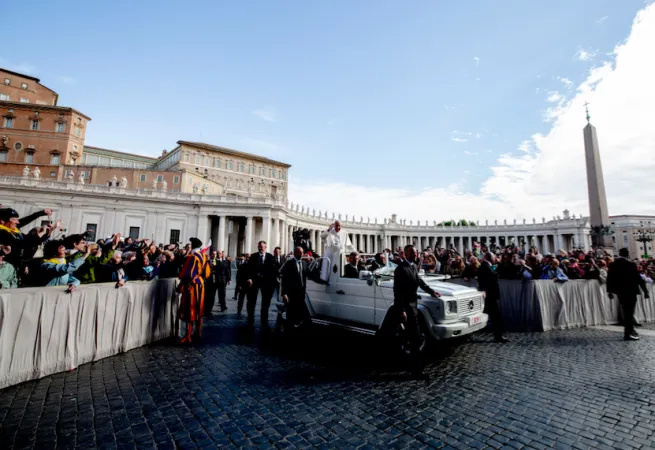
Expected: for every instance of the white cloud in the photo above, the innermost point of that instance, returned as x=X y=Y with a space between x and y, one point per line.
x=266 y=113
x=460 y=136
x=476 y=60
x=554 y=97
x=66 y=79
x=585 y=55
x=525 y=146
x=565 y=81
x=601 y=20
x=551 y=176
x=466 y=152
x=456 y=139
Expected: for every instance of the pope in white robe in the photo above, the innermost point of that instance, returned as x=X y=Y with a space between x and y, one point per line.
x=335 y=241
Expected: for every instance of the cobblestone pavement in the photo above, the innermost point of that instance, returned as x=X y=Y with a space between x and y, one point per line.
x=584 y=388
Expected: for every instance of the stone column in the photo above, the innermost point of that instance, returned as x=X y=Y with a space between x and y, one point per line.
x=248 y=231
x=266 y=229
x=222 y=230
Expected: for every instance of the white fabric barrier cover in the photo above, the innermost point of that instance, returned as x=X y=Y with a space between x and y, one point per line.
x=45 y=331
x=544 y=305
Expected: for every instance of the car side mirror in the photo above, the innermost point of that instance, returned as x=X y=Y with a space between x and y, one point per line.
x=370 y=282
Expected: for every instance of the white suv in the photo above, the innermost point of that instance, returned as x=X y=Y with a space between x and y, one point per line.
x=363 y=304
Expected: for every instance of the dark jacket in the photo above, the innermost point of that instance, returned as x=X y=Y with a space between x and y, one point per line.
x=623 y=278
x=242 y=273
x=278 y=261
x=350 y=271
x=221 y=272
x=262 y=274
x=488 y=282
x=406 y=283
x=294 y=281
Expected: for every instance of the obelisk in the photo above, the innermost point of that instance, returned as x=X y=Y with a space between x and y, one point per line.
x=598 y=215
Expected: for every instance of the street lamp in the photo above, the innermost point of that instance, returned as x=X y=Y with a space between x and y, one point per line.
x=644 y=236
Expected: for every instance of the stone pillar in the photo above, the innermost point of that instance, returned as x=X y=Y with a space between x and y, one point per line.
x=222 y=230
x=266 y=230
x=248 y=231
x=598 y=212
x=203 y=233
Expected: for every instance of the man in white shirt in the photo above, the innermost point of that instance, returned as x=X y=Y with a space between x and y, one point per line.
x=336 y=241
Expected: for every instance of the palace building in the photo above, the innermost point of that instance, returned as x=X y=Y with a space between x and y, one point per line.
x=197 y=190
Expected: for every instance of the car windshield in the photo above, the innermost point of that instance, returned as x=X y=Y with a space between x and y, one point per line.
x=387 y=271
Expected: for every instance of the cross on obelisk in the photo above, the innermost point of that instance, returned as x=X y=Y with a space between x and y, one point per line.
x=598 y=213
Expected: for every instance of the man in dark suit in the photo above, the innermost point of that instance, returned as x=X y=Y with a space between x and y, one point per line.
x=488 y=284
x=351 y=270
x=293 y=287
x=242 y=282
x=623 y=279
x=210 y=285
x=405 y=300
x=262 y=277
x=278 y=262
x=221 y=276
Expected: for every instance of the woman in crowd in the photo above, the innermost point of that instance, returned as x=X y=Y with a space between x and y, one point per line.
x=55 y=271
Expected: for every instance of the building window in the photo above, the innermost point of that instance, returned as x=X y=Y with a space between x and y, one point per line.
x=7 y=81
x=175 y=236
x=251 y=170
x=74 y=148
x=18 y=146
x=53 y=173
x=91 y=229
x=24 y=100
x=273 y=173
x=281 y=175
x=160 y=178
x=217 y=163
x=78 y=131
x=86 y=174
x=241 y=167
x=134 y=233
x=60 y=127
x=228 y=166
x=54 y=159
x=262 y=171
x=9 y=122
x=186 y=157
x=29 y=157
x=176 y=179
x=35 y=124
x=207 y=161
x=23 y=85
x=5 y=97
x=142 y=178
x=3 y=155
x=198 y=159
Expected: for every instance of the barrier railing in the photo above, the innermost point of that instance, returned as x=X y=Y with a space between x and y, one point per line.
x=45 y=331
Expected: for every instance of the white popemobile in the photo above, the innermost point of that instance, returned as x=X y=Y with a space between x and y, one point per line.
x=363 y=304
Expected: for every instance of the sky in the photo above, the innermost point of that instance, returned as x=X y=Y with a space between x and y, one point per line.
x=429 y=109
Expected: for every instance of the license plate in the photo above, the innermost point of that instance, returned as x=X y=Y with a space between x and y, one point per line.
x=476 y=320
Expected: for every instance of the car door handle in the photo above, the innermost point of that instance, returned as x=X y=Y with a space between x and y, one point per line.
x=340 y=292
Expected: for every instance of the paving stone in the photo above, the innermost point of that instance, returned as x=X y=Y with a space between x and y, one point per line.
x=583 y=388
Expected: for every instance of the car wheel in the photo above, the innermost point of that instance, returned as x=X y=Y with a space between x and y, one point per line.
x=427 y=341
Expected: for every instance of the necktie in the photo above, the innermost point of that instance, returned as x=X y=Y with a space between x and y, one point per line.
x=262 y=259
x=299 y=271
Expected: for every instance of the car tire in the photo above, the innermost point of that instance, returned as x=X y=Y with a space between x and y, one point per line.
x=428 y=343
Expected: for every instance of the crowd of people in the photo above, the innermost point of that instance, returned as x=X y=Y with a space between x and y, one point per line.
x=32 y=256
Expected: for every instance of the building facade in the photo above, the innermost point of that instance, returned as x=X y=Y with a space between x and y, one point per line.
x=236 y=223
x=627 y=230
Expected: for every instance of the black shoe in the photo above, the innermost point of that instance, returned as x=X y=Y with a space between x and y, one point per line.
x=637 y=324
x=501 y=339
x=224 y=308
x=631 y=337
x=208 y=316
